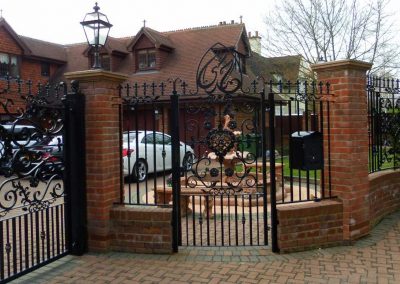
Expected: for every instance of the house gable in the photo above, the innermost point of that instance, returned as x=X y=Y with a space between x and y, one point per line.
x=10 y=41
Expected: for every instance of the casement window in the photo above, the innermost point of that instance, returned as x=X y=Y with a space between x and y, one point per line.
x=45 y=69
x=105 y=62
x=9 y=65
x=146 y=59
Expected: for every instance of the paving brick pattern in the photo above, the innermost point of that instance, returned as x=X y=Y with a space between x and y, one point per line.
x=374 y=259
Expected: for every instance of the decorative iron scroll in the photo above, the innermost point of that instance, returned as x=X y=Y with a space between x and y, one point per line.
x=31 y=176
x=389 y=120
x=219 y=71
x=220 y=141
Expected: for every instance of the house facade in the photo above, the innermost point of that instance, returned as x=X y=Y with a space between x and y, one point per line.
x=147 y=57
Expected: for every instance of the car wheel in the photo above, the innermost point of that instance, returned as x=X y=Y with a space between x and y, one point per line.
x=187 y=161
x=139 y=170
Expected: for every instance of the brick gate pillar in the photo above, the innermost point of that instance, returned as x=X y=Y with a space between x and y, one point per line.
x=349 y=142
x=102 y=123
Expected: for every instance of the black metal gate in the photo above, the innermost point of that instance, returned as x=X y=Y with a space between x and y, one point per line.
x=40 y=133
x=218 y=149
x=221 y=198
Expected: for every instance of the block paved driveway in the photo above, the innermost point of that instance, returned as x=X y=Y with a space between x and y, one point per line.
x=374 y=259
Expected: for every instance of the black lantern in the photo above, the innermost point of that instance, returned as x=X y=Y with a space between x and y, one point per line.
x=96 y=27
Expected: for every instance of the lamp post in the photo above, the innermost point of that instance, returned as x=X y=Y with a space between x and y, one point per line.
x=96 y=27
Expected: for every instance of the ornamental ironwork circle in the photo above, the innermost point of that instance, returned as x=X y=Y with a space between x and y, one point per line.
x=214 y=172
x=229 y=172
x=220 y=141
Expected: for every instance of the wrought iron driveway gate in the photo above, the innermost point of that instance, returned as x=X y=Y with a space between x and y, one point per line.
x=39 y=165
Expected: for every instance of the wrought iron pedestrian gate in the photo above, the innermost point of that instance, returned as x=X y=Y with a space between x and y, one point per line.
x=39 y=136
x=221 y=197
x=221 y=152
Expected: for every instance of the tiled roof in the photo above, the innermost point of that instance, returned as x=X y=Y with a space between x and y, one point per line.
x=287 y=67
x=156 y=37
x=189 y=47
x=116 y=44
x=44 y=49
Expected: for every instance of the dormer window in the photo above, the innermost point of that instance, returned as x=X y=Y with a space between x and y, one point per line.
x=104 y=59
x=146 y=59
x=227 y=54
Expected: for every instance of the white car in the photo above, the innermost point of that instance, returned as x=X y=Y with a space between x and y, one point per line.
x=148 y=152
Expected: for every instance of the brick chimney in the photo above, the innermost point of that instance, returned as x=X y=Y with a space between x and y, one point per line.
x=255 y=42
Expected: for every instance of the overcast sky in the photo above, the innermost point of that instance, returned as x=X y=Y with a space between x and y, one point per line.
x=58 y=21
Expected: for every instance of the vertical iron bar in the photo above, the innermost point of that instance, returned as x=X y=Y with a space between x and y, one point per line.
x=32 y=241
x=250 y=221
x=75 y=171
x=20 y=242
x=121 y=174
x=236 y=221
x=215 y=219
x=48 y=233
x=243 y=222
x=290 y=154
x=207 y=217
x=58 y=237
x=258 y=219
x=321 y=113
x=14 y=244
x=37 y=236
x=264 y=165
x=274 y=221
x=42 y=234
x=329 y=150
x=26 y=242
x=8 y=248
x=52 y=231
x=194 y=225
x=229 y=220
x=200 y=222
x=1 y=251
x=176 y=240
x=222 y=219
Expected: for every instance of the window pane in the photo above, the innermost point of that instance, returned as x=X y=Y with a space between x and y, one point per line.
x=152 y=59
x=142 y=58
x=105 y=62
x=4 y=58
x=4 y=64
x=45 y=69
x=14 y=70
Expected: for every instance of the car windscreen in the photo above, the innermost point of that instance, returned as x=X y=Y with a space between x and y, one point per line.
x=131 y=137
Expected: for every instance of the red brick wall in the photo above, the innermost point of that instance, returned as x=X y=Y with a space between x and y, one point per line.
x=384 y=194
x=141 y=229
x=310 y=225
x=348 y=142
x=144 y=43
x=103 y=182
x=8 y=44
x=29 y=69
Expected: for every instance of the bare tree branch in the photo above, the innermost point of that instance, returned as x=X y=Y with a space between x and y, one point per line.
x=332 y=30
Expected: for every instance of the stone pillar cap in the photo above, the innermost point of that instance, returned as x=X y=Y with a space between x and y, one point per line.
x=341 y=64
x=96 y=74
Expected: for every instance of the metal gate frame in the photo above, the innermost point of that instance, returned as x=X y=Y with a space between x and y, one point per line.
x=42 y=232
